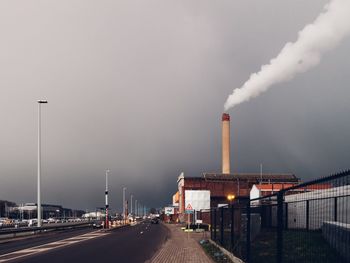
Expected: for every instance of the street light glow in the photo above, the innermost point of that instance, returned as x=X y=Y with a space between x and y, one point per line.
x=231 y=197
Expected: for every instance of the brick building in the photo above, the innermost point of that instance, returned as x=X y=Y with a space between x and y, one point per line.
x=222 y=185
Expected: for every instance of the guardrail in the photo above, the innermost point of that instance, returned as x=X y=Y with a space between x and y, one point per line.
x=25 y=231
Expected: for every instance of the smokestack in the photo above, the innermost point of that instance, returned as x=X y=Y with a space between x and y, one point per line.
x=225 y=143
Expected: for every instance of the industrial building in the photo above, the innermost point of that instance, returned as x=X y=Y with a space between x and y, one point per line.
x=223 y=184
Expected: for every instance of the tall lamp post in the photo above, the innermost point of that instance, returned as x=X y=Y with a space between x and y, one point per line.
x=131 y=196
x=106 y=199
x=39 y=164
x=139 y=209
x=124 y=217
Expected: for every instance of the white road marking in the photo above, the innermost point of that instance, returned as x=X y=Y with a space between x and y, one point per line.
x=52 y=245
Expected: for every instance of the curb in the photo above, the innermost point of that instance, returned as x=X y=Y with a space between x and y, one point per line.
x=227 y=253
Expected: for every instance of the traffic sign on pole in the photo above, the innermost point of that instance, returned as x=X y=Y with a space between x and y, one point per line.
x=189 y=209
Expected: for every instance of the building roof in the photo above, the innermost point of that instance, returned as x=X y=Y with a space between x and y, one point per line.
x=277 y=187
x=273 y=187
x=273 y=177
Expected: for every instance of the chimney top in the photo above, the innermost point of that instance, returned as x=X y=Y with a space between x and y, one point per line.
x=225 y=117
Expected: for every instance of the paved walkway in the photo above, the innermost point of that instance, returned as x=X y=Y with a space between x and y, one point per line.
x=181 y=247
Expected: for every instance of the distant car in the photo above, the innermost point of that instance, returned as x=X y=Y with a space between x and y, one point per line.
x=155 y=220
x=97 y=224
x=32 y=222
x=50 y=220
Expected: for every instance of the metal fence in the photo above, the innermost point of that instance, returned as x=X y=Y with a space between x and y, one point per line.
x=309 y=222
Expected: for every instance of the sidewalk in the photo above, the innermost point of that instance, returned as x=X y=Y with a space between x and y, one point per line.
x=181 y=247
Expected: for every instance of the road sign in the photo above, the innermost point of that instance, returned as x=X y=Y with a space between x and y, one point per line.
x=169 y=210
x=198 y=199
x=189 y=209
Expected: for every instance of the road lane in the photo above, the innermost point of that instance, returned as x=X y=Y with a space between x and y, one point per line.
x=132 y=244
x=39 y=239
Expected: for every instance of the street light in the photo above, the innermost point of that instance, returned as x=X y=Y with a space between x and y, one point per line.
x=131 y=204
x=39 y=163
x=231 y=197
x=106 y=199
x=124 y=217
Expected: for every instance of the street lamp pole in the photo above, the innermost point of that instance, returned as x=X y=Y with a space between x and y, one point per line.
x=135 y=207
x=39 y=164
x=124 y=217
x=131 y=203
x=106 y=199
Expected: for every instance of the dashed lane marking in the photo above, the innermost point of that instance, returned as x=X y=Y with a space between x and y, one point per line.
x=45 y=247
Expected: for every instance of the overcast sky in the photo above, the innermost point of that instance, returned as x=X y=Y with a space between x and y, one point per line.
x=139 y=87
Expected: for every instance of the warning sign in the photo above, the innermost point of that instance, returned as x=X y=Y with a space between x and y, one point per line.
x=189 y=207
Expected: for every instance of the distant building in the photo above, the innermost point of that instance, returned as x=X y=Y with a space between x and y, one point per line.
x=4 y=208
x=176 y=199
x=222 y=185
x=29 y=211
x=265 y=189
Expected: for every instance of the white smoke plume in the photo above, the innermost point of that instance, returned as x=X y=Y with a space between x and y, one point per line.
x=329 y=28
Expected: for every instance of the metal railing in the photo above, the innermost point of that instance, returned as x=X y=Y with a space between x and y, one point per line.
x=15 y=232
x=309 y=222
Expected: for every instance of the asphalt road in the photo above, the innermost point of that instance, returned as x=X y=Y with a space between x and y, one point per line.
x=130 y=245
x=40 y=239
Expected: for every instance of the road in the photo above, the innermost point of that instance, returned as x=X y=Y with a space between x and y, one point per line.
x=40 y=239
x=130 y=244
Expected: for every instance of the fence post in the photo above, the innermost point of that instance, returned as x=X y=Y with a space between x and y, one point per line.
x=215 y=224
x=211 y=224
x=280 y=226
x=307 y=214
x=222 y=226
x=232 y=228
x=286 y=216
x=248 y=233
x=335 y=209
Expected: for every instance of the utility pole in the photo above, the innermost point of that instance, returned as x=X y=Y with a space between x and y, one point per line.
x=106 y=199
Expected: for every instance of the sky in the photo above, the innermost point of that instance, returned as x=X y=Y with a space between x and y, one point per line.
x=139 y=87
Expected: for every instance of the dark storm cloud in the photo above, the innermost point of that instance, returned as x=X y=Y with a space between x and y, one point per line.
x=138 y=87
